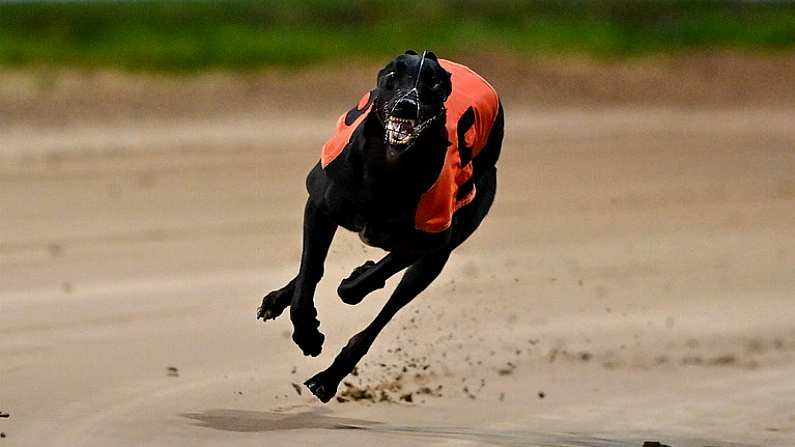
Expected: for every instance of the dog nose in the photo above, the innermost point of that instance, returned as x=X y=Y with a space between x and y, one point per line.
x=406 y=107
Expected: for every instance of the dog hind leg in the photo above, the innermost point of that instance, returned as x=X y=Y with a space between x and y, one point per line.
x=371 y=276
x=415 y=280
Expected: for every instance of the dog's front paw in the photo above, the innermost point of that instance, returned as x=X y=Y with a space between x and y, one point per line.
x=274 y=304
x=323 y=387
x=310 y=340
x=305 y=330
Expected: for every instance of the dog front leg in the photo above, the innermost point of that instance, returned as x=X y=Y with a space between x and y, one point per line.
x=415 y=280
x=319 y=230
x=275 y=302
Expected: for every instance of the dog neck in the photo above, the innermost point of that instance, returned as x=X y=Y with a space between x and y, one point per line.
x=403 y=176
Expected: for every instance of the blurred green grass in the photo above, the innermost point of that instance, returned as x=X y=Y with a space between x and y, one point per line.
x=246 y=34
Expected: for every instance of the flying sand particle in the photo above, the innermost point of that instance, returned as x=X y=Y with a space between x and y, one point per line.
x=297 y=388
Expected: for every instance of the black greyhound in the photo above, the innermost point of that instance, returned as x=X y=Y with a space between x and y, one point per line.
x=412 y=170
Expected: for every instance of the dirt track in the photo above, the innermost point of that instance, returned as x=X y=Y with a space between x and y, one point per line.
x=634 y=281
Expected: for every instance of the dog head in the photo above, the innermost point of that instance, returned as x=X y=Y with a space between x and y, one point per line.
x=409 y=98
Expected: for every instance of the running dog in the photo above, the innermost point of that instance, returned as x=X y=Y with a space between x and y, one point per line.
x=411 y=169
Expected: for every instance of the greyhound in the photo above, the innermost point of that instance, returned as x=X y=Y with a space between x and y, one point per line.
x=412 y=170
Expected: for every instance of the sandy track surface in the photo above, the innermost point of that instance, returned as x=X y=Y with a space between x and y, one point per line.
x=634 y=281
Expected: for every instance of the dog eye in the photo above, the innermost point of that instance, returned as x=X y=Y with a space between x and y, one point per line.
x=389 y=80
x=435 y=88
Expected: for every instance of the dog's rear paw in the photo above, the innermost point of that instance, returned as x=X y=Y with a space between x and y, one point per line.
x=274 y=304
x=322 y=388
x=360 y=270
x=353 y=289
x=350 y=294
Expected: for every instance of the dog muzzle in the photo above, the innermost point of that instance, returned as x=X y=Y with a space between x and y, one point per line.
x=402 y=133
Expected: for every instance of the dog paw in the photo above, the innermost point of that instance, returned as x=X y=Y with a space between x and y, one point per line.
x=323 y=388
x=274 y=304
x=309 y=340
x=305 y=330
x=360 y=270
x=352 y=290
x=350 y=294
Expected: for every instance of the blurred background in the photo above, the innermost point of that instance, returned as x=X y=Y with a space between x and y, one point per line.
x=634 y=280
x=235 y=35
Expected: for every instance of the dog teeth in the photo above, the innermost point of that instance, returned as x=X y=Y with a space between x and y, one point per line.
x=399 y=130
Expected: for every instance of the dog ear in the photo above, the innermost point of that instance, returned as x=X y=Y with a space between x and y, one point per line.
x=448 y=84
x=411 y=52
x=431 y=56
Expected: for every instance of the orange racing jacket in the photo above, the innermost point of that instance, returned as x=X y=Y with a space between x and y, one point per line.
x=437 y=205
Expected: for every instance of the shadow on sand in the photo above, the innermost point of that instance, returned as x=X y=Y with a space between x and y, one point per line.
x=264 y=421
